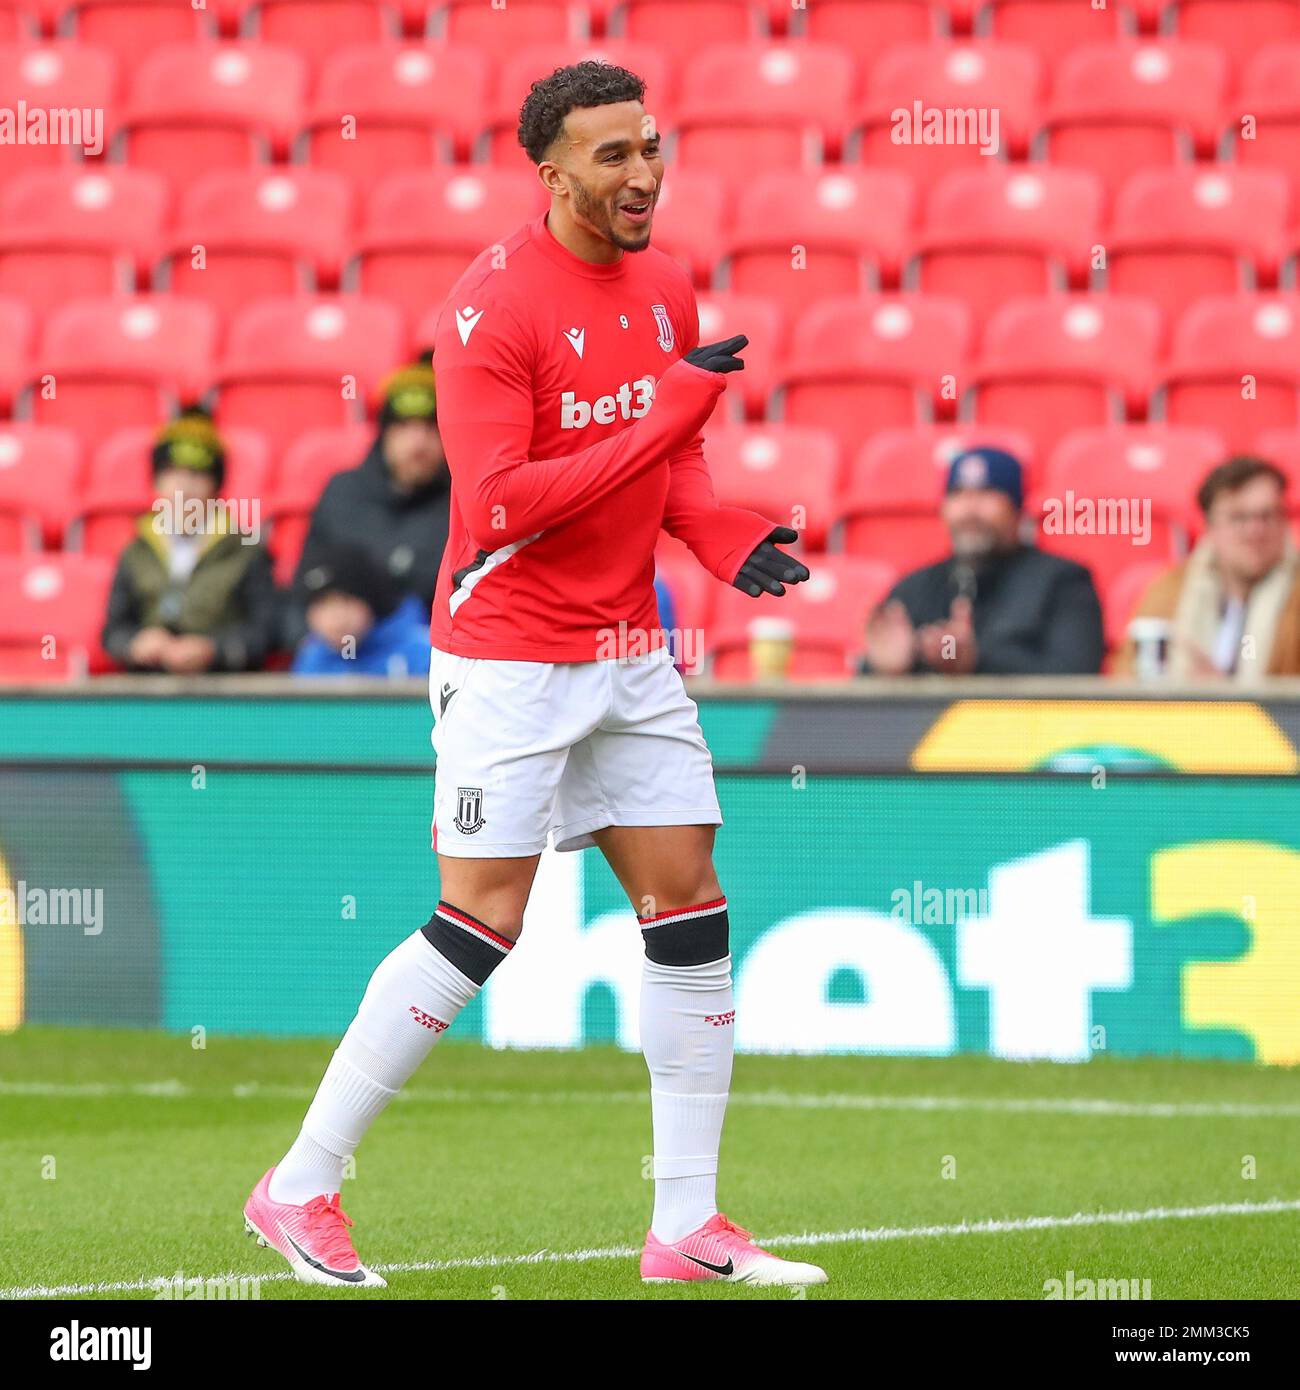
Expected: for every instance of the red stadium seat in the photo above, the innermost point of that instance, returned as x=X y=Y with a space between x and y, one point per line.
x=890 y=508
x=787 y=472
x=1064 y=362
x=117 y=362
x=867 y=28
x=807 y=82
x=827 y=613
x=520 y=67
x=290 y=521
x=1002 y=80
x=40 y=470
x=315 y=457
x=54 y=76
x=301 y=363
x=1240 y=27
x=683 y=27
x=1006 y=232
x=691 y=218
x=423 y=227
x=1052 y=27
x=1270 y=96
x=503 y=28
x=730 y=146
x=860 y=365
x=20 y=531
x=16 y=333
x=383 y=106
x=1104 y=489
x=1282 y=447
x=1121 y=597
x=15 y=22
x=52 y=610
x=199 y=107
x=263 y=232
x=1181 y=233
x=1122 y=107
x=320 y=28
x=723 y=314
x=1148 y=14
x=308 y=465
x=78 y=232
x=850 y=223
x=1225 y=345
x=132 y=29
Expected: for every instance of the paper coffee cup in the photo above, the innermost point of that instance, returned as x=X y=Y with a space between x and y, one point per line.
x=1150 y=638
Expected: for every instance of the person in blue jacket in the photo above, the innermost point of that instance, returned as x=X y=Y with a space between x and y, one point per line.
x=361 y=623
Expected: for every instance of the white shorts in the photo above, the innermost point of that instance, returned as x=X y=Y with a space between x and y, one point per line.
x=530 y=748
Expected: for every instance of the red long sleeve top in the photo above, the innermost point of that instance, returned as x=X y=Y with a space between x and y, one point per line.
x=573 y=433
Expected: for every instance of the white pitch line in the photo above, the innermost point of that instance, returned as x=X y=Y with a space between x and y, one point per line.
x=781 y=1100
x=861 y=1235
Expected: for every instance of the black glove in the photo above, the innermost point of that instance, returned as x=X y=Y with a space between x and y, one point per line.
x=719 y=357
x=763 y=572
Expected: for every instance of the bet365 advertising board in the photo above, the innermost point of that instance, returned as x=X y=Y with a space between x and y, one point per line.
x=1035 y=879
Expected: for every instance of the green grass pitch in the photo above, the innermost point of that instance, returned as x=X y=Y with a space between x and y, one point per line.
x=126 y=1157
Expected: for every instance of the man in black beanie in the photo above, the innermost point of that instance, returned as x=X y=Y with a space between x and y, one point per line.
x=191 y=592
x=996 y=606
x=395 y=505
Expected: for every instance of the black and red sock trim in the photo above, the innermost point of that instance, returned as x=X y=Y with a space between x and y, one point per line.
x=470 y=945
x=688 y=935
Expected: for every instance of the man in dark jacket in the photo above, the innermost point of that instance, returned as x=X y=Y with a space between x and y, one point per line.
x=395 y=505
x=995 y=606
x=192 y=593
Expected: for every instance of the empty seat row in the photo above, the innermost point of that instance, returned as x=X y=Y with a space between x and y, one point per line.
x=853 y=365
x=984 y=236
x=863 y=26
x=416 y=102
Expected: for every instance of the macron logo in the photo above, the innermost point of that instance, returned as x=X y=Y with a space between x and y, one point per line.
x=576 y=338
x=466 y=319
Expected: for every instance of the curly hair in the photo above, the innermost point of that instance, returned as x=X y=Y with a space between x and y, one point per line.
x=550 y=99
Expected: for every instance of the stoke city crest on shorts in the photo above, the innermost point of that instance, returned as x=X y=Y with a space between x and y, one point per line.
x=469 y=810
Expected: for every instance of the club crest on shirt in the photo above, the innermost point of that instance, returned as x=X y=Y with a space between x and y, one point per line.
x=665 y=339
x=469 y=810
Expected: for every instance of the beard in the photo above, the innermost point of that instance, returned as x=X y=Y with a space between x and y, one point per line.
x=600 y=216
x=975 y=543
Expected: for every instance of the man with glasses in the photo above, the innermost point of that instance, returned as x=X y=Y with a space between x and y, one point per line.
x=1233 y=606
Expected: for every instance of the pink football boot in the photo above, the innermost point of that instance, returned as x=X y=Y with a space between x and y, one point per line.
x=721 y=1250
x=313 y=1238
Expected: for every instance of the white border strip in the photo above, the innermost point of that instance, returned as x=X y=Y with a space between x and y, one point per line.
x=861 y=1235
x=777 y=1100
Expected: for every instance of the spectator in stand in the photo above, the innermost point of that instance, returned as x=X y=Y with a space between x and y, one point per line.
x=996 y=606
x=1233 y=606
x=396 y=503
x=360 y=621
x=191 y=594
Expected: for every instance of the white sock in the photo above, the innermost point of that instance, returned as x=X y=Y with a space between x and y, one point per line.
x=686 y=1035
x=411 y=999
